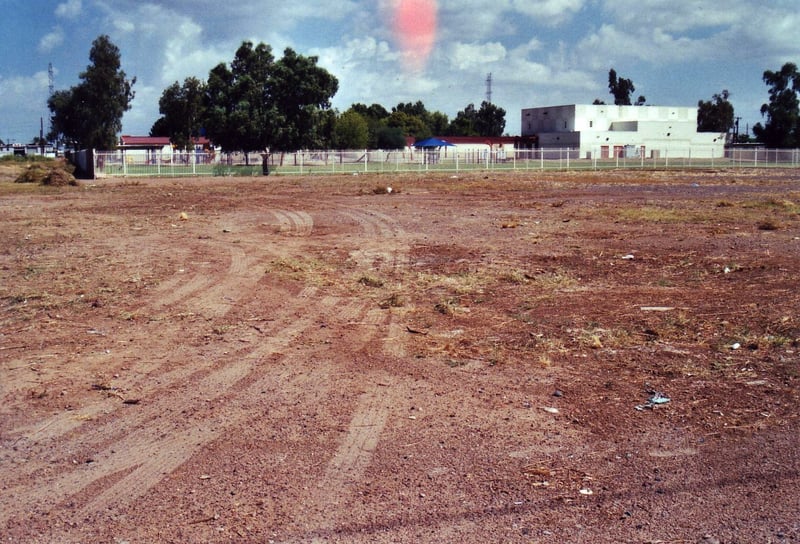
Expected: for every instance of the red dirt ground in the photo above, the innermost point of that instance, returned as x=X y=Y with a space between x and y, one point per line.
x=459 y=360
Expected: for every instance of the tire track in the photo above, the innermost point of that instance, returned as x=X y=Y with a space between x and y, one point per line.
x=295 y=223
x=354 y=454
x=158 y=456
x=138 y=436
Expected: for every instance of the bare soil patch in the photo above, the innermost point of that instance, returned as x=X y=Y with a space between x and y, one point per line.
x=552 y=357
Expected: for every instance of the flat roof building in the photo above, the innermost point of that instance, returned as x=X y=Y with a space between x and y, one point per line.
x=606 y=131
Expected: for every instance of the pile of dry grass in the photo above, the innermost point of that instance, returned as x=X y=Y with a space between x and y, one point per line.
x=56 y=173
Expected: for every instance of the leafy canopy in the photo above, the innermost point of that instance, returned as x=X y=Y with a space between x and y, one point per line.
x=782 y=112
x=622 y=89
x=715 y=115
x=89 y=115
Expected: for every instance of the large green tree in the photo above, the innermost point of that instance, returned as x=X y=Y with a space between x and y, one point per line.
x=240 y=108
x=302 y=93
x=376 y=116
x=715 y=115
x=259 y=103
x=464 y=123
x=488 y=120
x=182 y=112
x=417 y=121
x=351 y=131
x=491 y=120
x=782 y=127
x=622 y=89
x=411 y=125
x=89 y=115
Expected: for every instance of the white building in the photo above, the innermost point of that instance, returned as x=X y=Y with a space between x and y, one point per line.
x=606 y=131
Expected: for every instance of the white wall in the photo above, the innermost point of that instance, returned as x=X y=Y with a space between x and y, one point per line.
x=666 y=131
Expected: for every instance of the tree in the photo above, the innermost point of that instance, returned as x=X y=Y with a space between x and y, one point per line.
x=491 y=120
x=782 y=128
x=464 y=123
x=183 y=112
x=376 y=116
x=240 y=109
x=390 y=138
x=301 y=90
x=622 y=89
x=417 y=121
x=410 y=124
x=260 y=103
x=351 y=131
x=89 y=115
x=715 y=115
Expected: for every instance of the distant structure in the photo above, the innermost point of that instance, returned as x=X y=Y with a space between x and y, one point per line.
x=489 y=88
x=606 y=131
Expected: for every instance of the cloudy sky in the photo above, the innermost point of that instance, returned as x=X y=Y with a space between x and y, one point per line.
x=539 y=52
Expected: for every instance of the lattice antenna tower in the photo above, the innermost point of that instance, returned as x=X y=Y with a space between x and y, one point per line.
x=489 y=88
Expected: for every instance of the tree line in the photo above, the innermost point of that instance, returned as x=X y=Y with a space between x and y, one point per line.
x=259 y=102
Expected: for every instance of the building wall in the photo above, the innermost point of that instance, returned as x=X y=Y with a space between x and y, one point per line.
x=604 y=131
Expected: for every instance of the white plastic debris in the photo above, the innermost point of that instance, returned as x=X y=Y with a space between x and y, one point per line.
x=655 y=399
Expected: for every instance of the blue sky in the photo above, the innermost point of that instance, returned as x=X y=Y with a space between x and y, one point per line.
x=539 y=52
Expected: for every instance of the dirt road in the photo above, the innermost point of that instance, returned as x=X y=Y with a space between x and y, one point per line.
x=562 y=357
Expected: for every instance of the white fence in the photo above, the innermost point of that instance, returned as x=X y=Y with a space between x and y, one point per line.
x=450 y=159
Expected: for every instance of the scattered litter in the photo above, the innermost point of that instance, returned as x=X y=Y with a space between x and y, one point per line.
x=657 y=308
x=184 y=216
x=586 y=491
x=628 y=257
x=388 y=190
x=205 y=477
x=655 y=399
x=727 y=270
x=736 y=345
x=550 y=409
x=558 y=393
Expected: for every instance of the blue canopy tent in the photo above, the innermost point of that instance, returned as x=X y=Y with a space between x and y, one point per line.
x=430 y=143
x=432 y=147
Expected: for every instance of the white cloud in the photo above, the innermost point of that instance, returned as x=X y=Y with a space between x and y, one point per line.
x=468 y=56
x=26 y=96
x=51 y=40
x=548 y=12
x=69 y=9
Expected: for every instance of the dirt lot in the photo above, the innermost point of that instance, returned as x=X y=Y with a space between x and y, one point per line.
x=553 y=357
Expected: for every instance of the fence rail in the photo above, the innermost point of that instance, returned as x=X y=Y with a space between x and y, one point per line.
x=158 y=164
